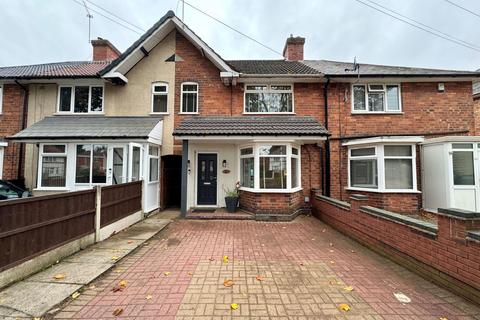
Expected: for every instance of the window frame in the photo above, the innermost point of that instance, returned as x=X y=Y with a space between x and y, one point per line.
x=154 y=84
x=72 y=99
x=380 y=157
x=149 y=158
x=256 y=165
x=197 y=92
x=268 y=85
x=384 y=90
x=90 y=183
x=42 y=154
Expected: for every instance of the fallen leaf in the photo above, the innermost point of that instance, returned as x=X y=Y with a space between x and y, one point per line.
x=353 y=251
x=75 y=295
x=59 y=276
x=117 y=312
x=92 y=286
x=332 y=262
x=234 y=306
x=167 y=273
x=119 y=270
x=190 y=274
x=228 y=283
x=123 y=283
x=129 y=241
x=211 y=259
x=402 y=297
x=117 y=288
x=301 y=263
x=148 y=297
x=331 y=251
x=114 y=258
x=333 y=282
x=225 y=259
x=348 y=288
x=443 y=318
x=344 y=307
x=259 y=278
x=324 y=230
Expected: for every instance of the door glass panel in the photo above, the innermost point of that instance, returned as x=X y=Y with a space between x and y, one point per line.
x=99 y=165
x=463 y=172
x=202 y=170
x=117 y=174
x=136 y=163
x=82 y=169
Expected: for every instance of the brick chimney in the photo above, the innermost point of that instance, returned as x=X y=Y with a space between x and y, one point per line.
x=104 y=50
x=293 y=49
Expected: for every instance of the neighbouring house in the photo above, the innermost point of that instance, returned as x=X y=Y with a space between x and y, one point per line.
x=173 y=112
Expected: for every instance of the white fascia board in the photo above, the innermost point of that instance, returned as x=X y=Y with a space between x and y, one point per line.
x=384 y=139
x=155 y=136
x=452 y=139
x=116 y=75
x=390 y=79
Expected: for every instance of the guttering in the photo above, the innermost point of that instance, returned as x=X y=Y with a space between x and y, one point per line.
x=379 y=75
x=326 y=191
x=401 y=134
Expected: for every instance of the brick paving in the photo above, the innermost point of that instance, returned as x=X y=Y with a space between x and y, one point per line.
x=305 y=268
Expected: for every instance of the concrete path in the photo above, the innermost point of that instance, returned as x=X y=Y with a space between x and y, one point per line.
x=291 y=270
x=38 y=294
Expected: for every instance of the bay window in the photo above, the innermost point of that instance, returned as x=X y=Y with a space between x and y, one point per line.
x=376 y=98
x=80 y=99
x=268 y=98
x=91 y=164
x=270 y=167
x=383 y=168
x=53 y=165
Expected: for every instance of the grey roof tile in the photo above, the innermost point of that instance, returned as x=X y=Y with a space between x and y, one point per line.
x=272 y=67
x=71 y=127
x=251 y=125
x=70 y=69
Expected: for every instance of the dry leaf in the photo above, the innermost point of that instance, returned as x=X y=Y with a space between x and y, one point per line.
x=443 y=318
x=117 y=312
x=114 y=258
x=148 y=297
x=225 y=259
x=324 y=230
x=117 y=288
x=348 y=288
x=123 y=283
x=75 y=295
x=167 y=273
x=129 y=241
x=92 y=287
x=332 y=262
x=331 y=251
x=344 y=307
x=301 y=263
x=333 y=282
x=353 y=251
x=119 y=270
x=259 y=278
x=190 y=273
x=228 y=283
x=211 y=259
x=234 y=306
x=59 y=276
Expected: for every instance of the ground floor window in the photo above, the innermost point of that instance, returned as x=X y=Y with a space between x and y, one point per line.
x=383 y=167
x=91 y=164
x=53 y=160
x=270 y=167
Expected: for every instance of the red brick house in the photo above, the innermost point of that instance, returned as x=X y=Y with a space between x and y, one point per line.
x=284 y=127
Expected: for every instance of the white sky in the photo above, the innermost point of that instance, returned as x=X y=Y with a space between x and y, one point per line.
x=35 y=31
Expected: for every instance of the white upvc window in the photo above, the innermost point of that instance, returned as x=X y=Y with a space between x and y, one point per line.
x=268 y=98
x=270 y=167
x=159 y=97
x=1 y=98
x=153 y=163
x=52 y=171
x=383 y=168
x=189 y=98
x=91 y=164
x=376 y=98
x=80 y=99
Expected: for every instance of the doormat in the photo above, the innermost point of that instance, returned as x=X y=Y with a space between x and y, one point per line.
x=204 y=210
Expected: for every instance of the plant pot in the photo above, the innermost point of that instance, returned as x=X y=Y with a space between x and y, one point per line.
x=232 y=204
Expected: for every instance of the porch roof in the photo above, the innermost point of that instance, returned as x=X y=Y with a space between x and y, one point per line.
x=250 y=126
x=92 y=127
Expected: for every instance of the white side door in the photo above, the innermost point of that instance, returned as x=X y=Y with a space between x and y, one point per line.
x=152 y=178
x=464 y=176
x=117 y=164
x=135 y=162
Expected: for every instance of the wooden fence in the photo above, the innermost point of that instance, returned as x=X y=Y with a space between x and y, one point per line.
x=120 y=201
x=32 y=226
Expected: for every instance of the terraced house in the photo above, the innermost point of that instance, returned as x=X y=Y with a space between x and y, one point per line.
x=171 y=111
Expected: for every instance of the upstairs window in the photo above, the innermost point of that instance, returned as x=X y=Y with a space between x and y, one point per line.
x=159 y=97
x=189 y=97
x=376 y=98
x=80 y=99
x=268 y=98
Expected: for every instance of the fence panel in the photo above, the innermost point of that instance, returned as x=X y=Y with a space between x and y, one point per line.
x=32 y=226
x=120 y=201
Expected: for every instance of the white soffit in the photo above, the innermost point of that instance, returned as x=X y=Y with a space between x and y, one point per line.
x=384 y=139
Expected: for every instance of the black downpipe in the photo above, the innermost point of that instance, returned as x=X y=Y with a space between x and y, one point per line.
x=24 y=125
x=326 y=190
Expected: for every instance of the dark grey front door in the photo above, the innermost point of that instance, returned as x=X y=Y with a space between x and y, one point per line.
x=207 y=179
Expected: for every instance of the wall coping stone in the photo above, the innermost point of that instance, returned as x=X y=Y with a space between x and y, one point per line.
x=459 y=214
x=474 y=235
x=424 y=226
x=359 y=197
x=335 y=202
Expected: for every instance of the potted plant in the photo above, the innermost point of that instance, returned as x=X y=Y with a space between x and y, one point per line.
x=231 y=198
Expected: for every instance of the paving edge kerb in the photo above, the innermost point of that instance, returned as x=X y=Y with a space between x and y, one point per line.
x=36 y=295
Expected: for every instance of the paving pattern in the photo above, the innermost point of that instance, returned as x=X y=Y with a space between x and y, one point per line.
x=292 y=270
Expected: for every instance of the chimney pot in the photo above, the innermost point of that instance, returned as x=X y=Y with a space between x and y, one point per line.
x=293 y=49
x=104 y=50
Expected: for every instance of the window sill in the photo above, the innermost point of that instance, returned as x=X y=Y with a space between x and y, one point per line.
x=378 y=113
x=383 y=191
x=79 y=114
x=271 y=190
x=188 y=113
x=159 y=113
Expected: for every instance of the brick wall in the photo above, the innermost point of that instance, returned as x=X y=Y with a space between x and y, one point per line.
x=271 y=203
x=11 y=123
x=447 y=257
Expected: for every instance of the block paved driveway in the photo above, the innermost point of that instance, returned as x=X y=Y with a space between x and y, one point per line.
x=305 y=267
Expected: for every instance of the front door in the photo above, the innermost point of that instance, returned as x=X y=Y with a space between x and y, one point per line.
x=207 y=179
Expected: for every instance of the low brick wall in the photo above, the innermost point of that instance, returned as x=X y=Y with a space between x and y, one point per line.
x=271 y=203
x=447 y=253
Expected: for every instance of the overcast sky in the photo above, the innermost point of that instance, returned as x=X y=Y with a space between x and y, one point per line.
x=35 y=31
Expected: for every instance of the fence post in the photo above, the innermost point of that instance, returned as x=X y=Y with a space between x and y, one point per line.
x=98 y=212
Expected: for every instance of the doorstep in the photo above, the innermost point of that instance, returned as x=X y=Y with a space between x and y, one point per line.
x=39 y=293
x=218 y=214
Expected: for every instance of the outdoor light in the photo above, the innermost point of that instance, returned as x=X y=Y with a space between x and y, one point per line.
x=224 y=163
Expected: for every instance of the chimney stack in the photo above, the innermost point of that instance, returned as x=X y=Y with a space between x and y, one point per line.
x=293 y=49
x=104 y=50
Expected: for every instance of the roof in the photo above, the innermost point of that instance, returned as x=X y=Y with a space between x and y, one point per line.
x=70 y=69
x=337 y=68
x=251 y=126
x=92 y=127
x=272 y=67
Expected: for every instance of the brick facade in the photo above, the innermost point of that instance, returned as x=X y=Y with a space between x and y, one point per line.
x=11 y=123
x=271 y=203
